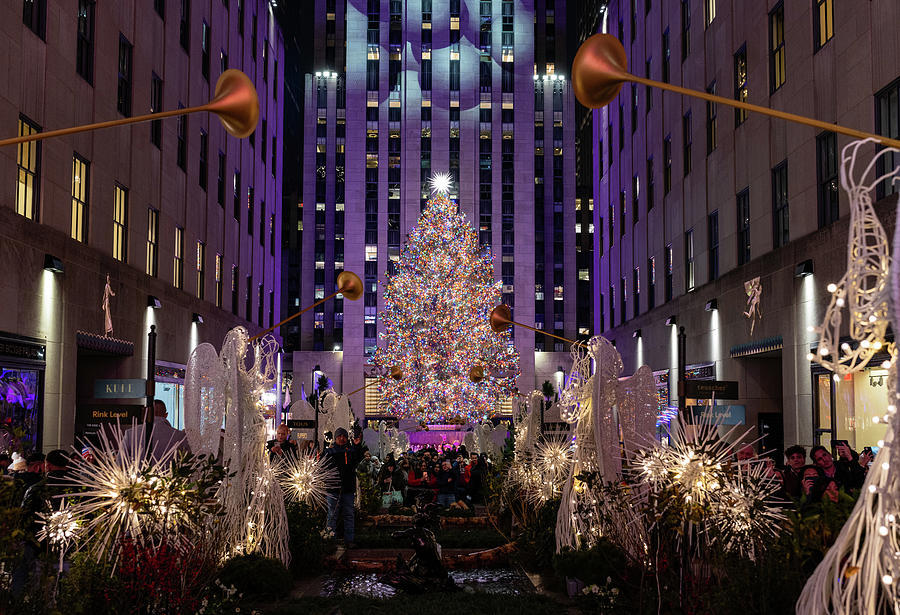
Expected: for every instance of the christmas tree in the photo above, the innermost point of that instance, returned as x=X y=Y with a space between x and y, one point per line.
x=436 y=325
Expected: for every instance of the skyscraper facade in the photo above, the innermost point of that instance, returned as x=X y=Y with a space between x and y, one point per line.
x=172 y=223
x=732 y=224
x=403 y=90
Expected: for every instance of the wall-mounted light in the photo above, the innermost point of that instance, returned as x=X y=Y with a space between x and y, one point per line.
x=712 y=304
x=636 y=334
x=671 y=321
x=153 y=302
x=53 y=264
x=197 y=318
x=803 y=269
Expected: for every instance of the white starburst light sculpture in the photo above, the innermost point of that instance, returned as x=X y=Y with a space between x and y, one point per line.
x=440 y=183
x=306 y=479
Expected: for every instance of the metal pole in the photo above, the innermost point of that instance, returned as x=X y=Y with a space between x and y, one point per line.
x=151 y=384
x=682 y=363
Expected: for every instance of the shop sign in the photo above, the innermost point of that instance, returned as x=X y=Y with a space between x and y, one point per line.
x=707 y=389
x=91 y=418
x=21 y=349
x=301 y=424
x=722 y=415
x=130 y=388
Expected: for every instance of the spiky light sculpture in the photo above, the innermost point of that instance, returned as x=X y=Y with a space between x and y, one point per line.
x=306 y=479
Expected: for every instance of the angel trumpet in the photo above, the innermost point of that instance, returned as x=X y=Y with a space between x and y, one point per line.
x=396 y=373
x=601 y=67
x=235 y=102
x=501 y=319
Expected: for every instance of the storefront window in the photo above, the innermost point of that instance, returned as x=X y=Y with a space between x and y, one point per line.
x=19 y=409
x=847 y=408
x=173 y=395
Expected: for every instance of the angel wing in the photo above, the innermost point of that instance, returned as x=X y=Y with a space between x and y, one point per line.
x=204 y=400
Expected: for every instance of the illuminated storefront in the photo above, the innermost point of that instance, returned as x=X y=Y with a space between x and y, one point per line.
x=849 y=407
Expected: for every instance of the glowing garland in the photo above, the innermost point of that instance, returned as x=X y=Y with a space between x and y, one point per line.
x=436 y=323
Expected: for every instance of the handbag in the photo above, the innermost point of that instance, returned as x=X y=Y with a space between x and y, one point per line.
x=390 y=498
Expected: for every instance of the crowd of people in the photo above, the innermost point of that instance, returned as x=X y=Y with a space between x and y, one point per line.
x=821 y=476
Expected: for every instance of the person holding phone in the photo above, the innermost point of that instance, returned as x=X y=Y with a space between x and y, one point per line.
x=846 y=472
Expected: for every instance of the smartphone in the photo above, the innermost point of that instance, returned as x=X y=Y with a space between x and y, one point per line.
x=836 y=443
x=868 y=449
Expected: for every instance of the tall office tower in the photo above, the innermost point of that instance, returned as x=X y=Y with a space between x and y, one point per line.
x=402 y=90
x=732 y=224
x=183 y=218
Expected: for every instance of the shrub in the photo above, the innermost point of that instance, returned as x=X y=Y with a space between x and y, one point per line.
x=309 y=540
x=256 y=575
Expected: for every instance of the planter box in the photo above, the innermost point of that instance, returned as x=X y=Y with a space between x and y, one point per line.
x=573 y=587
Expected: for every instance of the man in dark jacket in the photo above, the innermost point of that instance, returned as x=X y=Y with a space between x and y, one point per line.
x=341 y=497
x=846 y=471
x=447 y=480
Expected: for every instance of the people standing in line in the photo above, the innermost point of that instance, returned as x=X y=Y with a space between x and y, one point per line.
x=343 y=457
x=162 y=435
x=282 y=447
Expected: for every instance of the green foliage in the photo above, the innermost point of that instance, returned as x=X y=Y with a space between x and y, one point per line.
x=548 y=390
x=591 y=566
x=90 y=588
x=256 y=575
x=370 y=494
x=309 y=541
x=12 y=532
x=537 y=538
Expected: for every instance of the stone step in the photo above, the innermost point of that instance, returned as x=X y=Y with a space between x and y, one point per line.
x=380 y=560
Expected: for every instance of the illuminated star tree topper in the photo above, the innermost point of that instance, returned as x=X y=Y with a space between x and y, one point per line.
x=436 y=325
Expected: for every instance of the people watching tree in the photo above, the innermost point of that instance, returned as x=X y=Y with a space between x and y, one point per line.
x=343 y=457
x=282 y=447
x=846 y=471
x=792 y=473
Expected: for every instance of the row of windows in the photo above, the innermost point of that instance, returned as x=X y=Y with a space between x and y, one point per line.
x=34 y=16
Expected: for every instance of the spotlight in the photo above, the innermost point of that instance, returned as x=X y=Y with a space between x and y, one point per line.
x=153 y=302
x=671 y=321
x=711 y=305
x=803 y=269
x=53 y=264
x=636 y=334
x=197 y=318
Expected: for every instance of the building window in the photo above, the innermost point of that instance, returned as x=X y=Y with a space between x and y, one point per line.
x=223 y=61
x=201 y=269
x=204 y=50
x=160 y=7
x=827 y=173
x=712 y=137
x=28 y=159
x=635 y=198
x=156 y=98
x=636 y=290
x=184 y=26
x=272 y=235
x=669 y=273
x=34 y=15
x=887 y=123
x=248 y=298
x=237 y=196
x=650 y=184
x=686 y=136
x=666 y=54
x=685 y=29
x=621 y=127
x=622 y=199
x=220 y=180
x=84 y=51
x=667 y=165
x=710 y=13
x=218 y=280
x=740 y=84
x=178 y=261
x=743 y=226
x=235 y=276
x=181 y=135
x=823 y=16
x=612 y=306
x=776 y=47
x=250 y=203
x=689 y=261
x=780 y=211
x=260 y=302
x=81 y=169
x=152 y=268
x=123 y=101
x=204 y=160
x=120 y=224
x=623 y=297
x=651 y=283
x=712 y=226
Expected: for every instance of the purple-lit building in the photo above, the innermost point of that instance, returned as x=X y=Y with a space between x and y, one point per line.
x=693 y=200
x=401 y=90
x=179 y=214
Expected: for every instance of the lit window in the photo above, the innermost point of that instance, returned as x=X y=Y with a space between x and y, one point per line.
x=120 y=224
x=80 y=183
x=29 y=163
